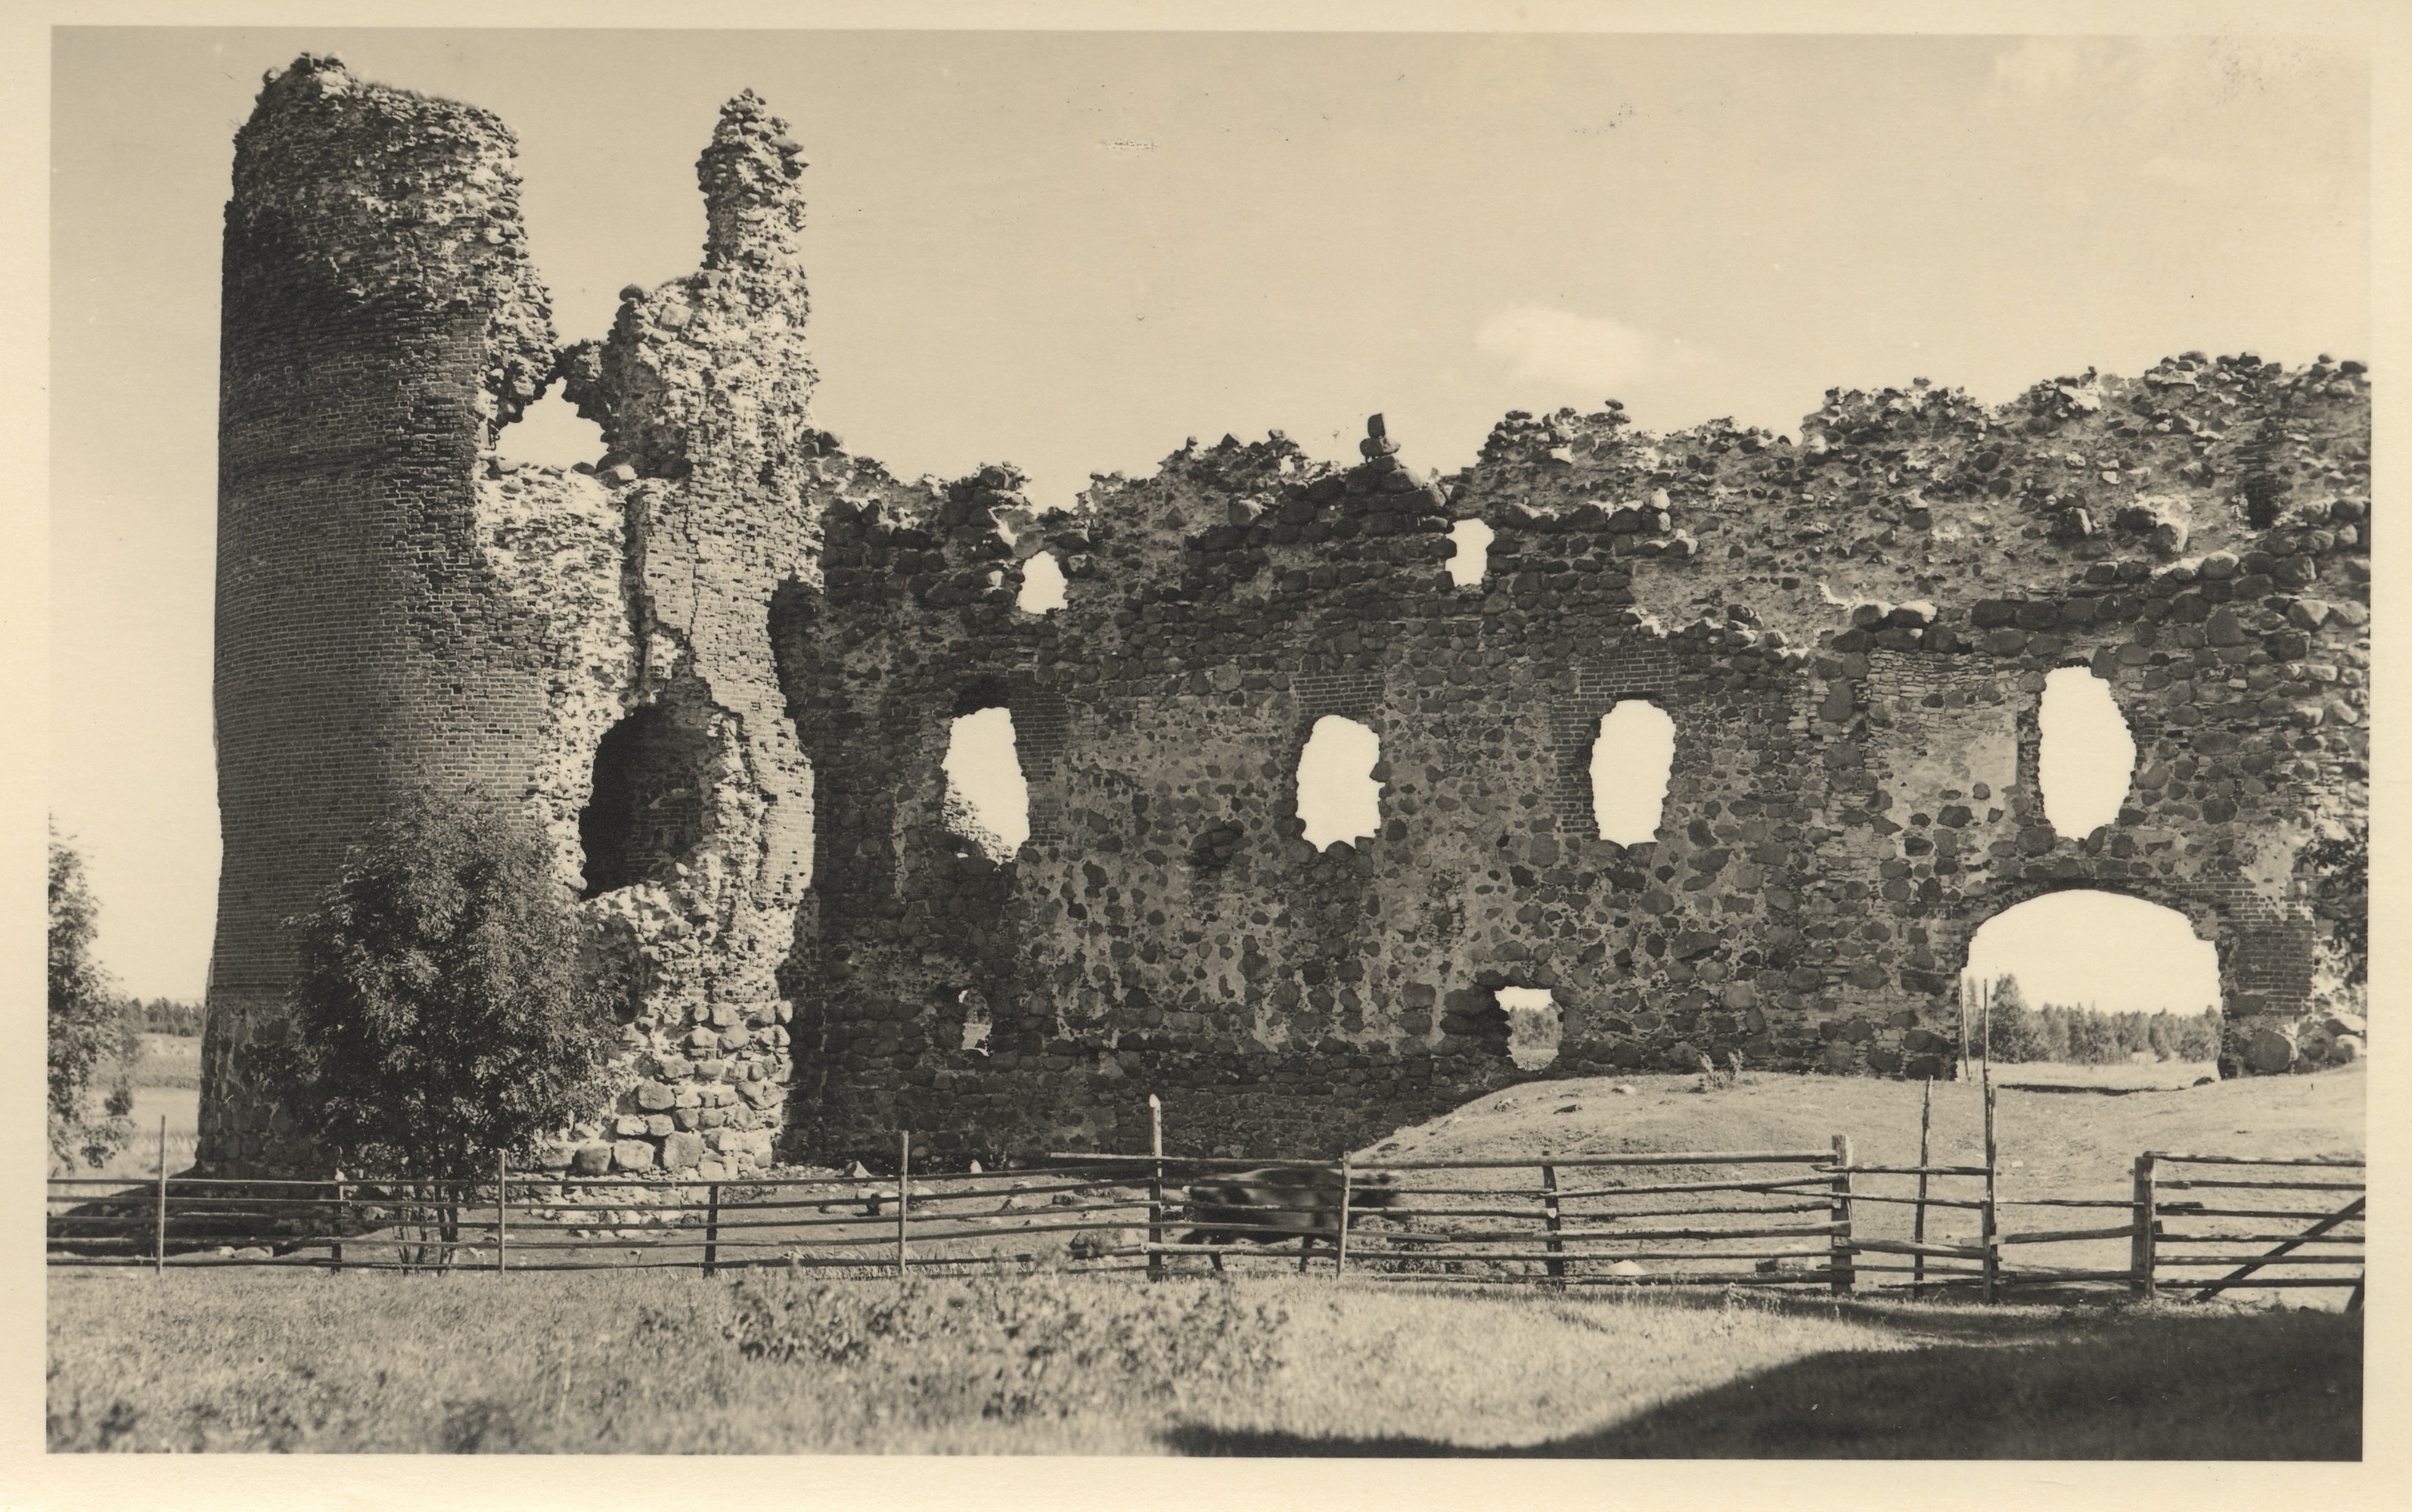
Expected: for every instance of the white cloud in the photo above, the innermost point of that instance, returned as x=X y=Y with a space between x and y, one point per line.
x=2155 y=75
x=1549 y=346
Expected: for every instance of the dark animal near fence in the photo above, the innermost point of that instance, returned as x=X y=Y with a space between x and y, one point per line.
x=1276 y=1204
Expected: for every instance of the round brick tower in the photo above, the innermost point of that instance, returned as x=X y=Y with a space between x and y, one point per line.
x=380 y=321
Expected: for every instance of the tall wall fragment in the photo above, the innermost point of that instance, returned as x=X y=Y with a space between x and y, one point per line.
x=702 y=391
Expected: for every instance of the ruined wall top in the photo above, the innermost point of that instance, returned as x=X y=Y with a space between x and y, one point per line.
x=392 y=196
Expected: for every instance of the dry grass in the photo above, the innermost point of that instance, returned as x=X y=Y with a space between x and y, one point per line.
x=774 y=1363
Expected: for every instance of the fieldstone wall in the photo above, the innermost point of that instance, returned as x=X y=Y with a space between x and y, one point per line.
x=1850 y=633
x=722 y=664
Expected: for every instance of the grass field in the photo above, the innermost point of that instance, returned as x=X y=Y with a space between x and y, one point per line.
x=772 y=1362
x=1270 y=1363
x=167 y=1084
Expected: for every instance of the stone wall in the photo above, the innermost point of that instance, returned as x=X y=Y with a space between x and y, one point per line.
x=379 y=321
x=400 y=607
x=1851 y=634
x=729 y=655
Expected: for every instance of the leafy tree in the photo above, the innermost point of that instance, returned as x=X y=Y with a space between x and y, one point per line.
x=2340 y=870
x=88 y=1029
x=442 y=1016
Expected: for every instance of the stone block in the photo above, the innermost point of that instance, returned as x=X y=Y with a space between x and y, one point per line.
x=654 y=1097
x=2270 y=1051
x=682 y=1150
x=632 y=1155
x=592 y=1159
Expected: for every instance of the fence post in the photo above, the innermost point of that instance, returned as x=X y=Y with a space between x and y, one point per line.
x=1917 y=1227
x=1992 y=1232
x=1339 y=1262
x=904 y=1193
x=1555 y=1265
x=711 y=1229
x=1156 y=1188
x=1967 y=988
x=159 y=1234
x=2140 y=1244
x=1838 y=1211
x=343 y=1206
x=501 y=1228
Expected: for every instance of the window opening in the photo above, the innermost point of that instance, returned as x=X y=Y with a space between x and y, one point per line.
x=1630 y=765
x=987 y=801
x=1337 y=795
x=2087 y=755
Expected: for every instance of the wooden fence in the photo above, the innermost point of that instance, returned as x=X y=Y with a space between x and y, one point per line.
x=2267 y=1198
x=1725 y=1218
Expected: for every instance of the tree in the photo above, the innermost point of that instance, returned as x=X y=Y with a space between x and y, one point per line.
x=2016 y=1031
x=442 y=1018
x=2339 y=867
x=87 y=1028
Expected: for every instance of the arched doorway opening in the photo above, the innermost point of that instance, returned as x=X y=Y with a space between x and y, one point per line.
x=648 y=804
x=2081 y=978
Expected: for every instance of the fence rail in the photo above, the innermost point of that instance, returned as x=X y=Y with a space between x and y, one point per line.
x=1662 y=1218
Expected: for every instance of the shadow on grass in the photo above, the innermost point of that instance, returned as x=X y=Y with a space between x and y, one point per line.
x=2274 y=1385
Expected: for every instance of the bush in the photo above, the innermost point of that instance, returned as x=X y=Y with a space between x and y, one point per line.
x=442 y=1018
x=87 y=1029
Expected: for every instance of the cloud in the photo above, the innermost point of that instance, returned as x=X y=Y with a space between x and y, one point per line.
x=1590 y=352
x=2155 y=74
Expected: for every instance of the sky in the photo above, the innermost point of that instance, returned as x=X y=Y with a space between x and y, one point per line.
x=1073 y=250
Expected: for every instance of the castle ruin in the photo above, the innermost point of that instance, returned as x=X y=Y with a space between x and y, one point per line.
x=723 y=663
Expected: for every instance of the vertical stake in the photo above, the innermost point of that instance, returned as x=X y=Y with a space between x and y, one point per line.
x=159 y=1234
x=2146 y=1250
x=904 y=1192
x=1992 y=1219
x=502 y=1230
x=711 y=1229
x=1347 y=1174
x=1156 y=1188
x=1918 y=1231
x=1985 y=1029
x=1557 y=1266
x=343 y=1206
x=1967 y=988
x=1838 y=1212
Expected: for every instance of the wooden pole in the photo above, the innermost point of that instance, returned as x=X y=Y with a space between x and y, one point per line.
x=904 y=1192
x=1968 y=986
x=1156 y=1188
x=2350 y=1211
x=1985 y=996
x=1339 y=1262
x=159 y=1233
x=1992 y=1222
x=343 y=1209
x=2140 y=1248
x=1918 y=1230
x=1551 y=1216
x=711 y=1229
x=502 y=1231
x=1838 y=1211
